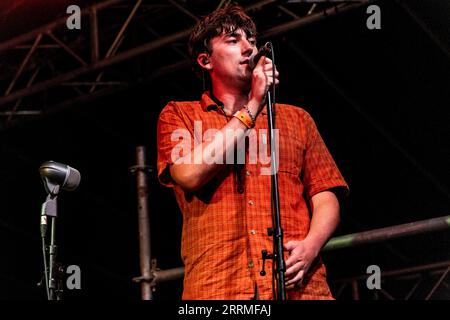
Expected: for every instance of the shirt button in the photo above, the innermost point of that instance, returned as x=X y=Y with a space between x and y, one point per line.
x=253 y=231
x=250 y=202
x=247 y=173
x=250 y=264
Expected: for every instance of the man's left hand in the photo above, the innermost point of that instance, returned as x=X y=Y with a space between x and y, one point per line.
x=301 y=255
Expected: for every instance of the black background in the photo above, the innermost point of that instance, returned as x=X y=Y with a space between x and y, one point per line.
x=380 y=99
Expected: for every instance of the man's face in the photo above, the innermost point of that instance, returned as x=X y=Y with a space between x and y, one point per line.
x=229 y=59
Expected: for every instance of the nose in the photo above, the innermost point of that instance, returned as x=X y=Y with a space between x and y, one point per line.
x=247 y=47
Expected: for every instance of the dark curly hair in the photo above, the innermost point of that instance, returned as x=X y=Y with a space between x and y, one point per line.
x=221 y=21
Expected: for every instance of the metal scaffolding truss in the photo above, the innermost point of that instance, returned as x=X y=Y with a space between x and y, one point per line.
x=53 y=67
x=424 y=282
x=421 y=282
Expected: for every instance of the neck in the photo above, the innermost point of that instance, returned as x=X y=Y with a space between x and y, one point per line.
x=233 y=99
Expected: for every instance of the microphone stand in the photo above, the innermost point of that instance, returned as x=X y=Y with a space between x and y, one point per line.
x=277 y=232
x=52 y=275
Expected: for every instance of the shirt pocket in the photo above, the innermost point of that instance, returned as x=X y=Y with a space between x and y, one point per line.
x=290 y=152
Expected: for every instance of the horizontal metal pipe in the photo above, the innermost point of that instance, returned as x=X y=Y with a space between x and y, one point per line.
x=285 y=27
x=168 y=275
x=377 y=235
x=388 y=233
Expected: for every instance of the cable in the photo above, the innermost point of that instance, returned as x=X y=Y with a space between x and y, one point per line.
x=45 y=267
x=273 y=85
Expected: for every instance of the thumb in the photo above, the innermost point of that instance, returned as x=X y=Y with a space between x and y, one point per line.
x=261 y=62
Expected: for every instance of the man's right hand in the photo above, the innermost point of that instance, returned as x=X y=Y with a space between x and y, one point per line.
x=262 y=79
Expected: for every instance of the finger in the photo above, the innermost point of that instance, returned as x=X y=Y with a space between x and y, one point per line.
x=270 y=74
x=291 y=261
x=269 y=68
x=297 y=279
x=261 y=63
x=267 y=61
x=271 y=78
x=294 y=269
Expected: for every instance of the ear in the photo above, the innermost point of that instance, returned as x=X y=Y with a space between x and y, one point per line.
x=204 y=61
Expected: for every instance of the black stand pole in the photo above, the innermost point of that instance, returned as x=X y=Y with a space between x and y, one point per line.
x=52 y=274
x=52 y=285
x=278 y=256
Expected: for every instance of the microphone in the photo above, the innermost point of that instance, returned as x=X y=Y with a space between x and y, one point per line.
x=57 y=175
x=254 y=58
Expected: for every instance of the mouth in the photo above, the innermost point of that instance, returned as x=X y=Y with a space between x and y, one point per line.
x=246 y=61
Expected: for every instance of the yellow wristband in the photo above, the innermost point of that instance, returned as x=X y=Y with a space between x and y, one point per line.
x=245 y=118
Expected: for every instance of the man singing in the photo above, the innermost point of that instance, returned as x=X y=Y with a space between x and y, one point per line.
x=225 y=202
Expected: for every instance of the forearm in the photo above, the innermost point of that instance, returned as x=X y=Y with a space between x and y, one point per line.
x=204 y=161
x=324 y=220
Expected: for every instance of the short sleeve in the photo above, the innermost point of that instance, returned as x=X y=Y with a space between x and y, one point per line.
x=320 y=172
x=173 y=138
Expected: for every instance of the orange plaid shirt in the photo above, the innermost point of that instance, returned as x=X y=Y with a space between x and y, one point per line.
x=225 y=222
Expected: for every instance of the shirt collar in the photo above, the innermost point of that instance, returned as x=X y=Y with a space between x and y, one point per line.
x=210 y=102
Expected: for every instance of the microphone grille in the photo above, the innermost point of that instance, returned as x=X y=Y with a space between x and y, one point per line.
x=73 y=179
x=254 y=59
